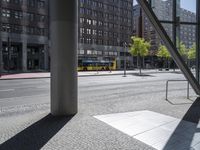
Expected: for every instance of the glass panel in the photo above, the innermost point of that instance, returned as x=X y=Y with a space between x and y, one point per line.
x=163 y=9
x=188 y=34
x=168 y=28
x=187 y=10
x=135 y=2
x=187 y=44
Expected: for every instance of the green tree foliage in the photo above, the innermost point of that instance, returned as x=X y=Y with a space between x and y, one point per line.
x=163 y=52
x=140 y=48
x=192 y=52
x=183 y=50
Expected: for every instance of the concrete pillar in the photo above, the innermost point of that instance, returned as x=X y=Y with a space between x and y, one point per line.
x=1 y=57
x=46 y=57
x=24 y=56
x=64 y=37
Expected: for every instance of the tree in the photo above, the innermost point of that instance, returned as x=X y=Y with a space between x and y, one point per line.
x=140 y=48
x=192 y=53
x=163 y=53
x=183 y=51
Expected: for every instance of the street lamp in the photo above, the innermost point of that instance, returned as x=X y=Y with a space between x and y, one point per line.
x=1 y=53
x=125 y=45
x=9 y=59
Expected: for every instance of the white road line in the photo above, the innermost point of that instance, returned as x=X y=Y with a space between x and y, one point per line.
x=32 y=96
x=7 y=90
x=42 y=87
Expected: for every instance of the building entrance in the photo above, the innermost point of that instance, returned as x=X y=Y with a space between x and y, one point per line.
x=12 y=56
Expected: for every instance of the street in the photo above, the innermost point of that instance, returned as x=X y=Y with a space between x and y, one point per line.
x=91 y=89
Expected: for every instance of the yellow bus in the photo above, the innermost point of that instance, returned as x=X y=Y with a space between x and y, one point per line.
x=94 y=65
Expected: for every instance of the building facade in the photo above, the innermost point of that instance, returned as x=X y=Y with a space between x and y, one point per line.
x=104 y=28
x=24 y=35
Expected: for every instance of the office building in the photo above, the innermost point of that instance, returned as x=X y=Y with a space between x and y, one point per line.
x=24 y=35
x=104 y=28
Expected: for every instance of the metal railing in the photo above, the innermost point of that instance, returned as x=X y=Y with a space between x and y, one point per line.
x=167 y=87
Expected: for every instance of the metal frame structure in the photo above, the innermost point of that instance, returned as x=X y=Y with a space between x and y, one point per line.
x=170 y=45
x=198 y=41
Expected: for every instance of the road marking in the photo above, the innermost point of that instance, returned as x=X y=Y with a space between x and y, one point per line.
x=11 y=98
x=42 y=87
x=7 y=90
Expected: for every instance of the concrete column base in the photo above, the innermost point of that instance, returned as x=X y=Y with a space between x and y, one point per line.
x=24 y=56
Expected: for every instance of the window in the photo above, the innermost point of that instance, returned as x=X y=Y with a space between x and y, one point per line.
x=6 y=13
x=18 y=14
x=41 y=3
x=81 y=52
x=88 y=31
x=82 y=20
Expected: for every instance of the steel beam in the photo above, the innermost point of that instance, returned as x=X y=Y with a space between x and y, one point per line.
x=198 y=42
x=170 y=45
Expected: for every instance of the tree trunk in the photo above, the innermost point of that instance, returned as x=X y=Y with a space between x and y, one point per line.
x=140 y=69
x=143 y=63
x=138 y=61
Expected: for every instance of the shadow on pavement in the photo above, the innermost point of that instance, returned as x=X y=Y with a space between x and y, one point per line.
x=37 y=135
x=142 y=75
x=190 y=101
x=183 y=136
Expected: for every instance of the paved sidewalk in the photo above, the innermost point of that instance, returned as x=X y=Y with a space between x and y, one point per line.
x=80 y=74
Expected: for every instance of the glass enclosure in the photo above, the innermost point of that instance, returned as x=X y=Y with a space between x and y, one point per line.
x=179 y=19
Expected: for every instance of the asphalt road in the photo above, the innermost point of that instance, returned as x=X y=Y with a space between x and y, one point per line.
x=91 y=89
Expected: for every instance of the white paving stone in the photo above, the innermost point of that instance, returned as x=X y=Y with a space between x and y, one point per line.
x=157 y=130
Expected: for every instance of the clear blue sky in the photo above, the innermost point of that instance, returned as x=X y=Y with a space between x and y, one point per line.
x=186 y=4
x=189 y=5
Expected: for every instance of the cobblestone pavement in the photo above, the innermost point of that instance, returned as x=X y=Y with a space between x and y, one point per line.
x=32 y=127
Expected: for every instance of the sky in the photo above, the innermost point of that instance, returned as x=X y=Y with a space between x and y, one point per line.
x=186 y=4
x=189 y=5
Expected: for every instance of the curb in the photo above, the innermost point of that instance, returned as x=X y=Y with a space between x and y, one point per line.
x=22 y=78
x=84 y=75
x=50 y=77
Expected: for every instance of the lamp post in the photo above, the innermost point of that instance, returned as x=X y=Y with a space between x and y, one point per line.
x=1 y=65
x=9 y=47
x=125 y=45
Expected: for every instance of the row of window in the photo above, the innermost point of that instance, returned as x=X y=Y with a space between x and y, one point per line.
x=96 y=52
x=88 y=40
x=30 y=3
x=8 y=13
x=11 y=28
x=95 y=3
x=100 y=33
x=104 y=23
x=95 y=13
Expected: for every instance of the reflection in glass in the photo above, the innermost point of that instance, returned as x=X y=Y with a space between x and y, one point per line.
x=163 y=9
x=187 y=10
